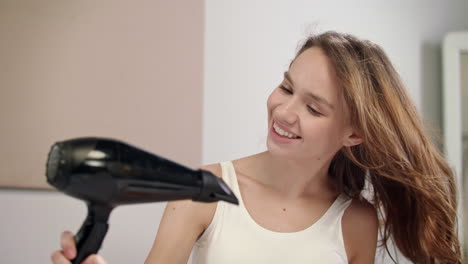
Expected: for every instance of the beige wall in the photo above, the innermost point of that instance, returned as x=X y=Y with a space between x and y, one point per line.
x=130 y=70
x=116 y=68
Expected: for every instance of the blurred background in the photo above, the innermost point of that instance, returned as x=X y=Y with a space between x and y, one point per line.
x=187 y=80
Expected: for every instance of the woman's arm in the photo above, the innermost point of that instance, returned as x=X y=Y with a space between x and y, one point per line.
x=181 y=225
x=360 y=227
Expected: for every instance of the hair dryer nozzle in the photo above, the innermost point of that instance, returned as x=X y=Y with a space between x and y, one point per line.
x=215 y=189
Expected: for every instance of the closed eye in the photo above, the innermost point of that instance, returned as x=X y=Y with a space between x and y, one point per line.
x=309 y=108
x=285 y=90
x=313 y=111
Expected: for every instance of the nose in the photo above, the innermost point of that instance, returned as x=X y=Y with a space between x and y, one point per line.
x=287 y=112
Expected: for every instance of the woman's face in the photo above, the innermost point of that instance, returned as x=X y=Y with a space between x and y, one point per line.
x=308 y=105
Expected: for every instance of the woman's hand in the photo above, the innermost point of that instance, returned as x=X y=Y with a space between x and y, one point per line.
x=68 y=252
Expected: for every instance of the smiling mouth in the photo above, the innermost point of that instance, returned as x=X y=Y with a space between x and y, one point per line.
x=283 y=133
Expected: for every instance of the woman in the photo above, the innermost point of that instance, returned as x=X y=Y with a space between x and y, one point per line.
x=340 y=117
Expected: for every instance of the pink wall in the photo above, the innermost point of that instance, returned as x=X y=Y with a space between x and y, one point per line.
x=130 y=70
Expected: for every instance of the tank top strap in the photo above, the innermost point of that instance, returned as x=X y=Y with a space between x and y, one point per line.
x=223 y=210
x=229 y=176
x=336 y=210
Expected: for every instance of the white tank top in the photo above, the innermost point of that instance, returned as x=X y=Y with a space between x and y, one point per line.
x=233 y=237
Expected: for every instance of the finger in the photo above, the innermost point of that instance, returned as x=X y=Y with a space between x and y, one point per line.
x=67 y=242
x=58 y=258
x=94 y=259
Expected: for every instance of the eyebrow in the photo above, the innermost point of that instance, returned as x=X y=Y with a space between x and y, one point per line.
x=309 y=94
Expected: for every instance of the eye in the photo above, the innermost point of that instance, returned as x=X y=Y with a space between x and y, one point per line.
x=313 y=111
x=309 y=108
x=285 y=90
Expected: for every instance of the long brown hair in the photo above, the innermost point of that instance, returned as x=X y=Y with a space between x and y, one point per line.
x=414 y=188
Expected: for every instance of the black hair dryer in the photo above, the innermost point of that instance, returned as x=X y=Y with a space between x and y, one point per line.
x=106 y=173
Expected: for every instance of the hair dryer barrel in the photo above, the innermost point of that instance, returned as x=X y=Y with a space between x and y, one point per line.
x=111 y=172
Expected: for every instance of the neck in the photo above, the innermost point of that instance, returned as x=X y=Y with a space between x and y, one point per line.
x=295 y=178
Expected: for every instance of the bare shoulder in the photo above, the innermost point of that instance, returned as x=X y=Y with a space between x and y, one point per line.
x=199 y=212
x=360 y=227
x=205 y=211
x=199 y=209
x=183 y=222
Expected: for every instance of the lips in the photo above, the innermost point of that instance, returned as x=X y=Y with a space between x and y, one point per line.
x=284 y=128
x=282 y=140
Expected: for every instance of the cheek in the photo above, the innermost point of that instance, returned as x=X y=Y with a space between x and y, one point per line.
x=273 y=101
x=324 y=134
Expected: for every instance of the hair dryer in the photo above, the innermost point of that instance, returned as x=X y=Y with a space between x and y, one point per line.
x=106 y=173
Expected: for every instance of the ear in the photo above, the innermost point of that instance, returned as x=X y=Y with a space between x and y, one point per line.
x=352 y=139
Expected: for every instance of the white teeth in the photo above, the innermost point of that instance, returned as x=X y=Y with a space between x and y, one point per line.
x=282 y=132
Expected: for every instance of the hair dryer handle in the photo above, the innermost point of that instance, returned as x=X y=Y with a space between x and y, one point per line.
x=92 y=232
